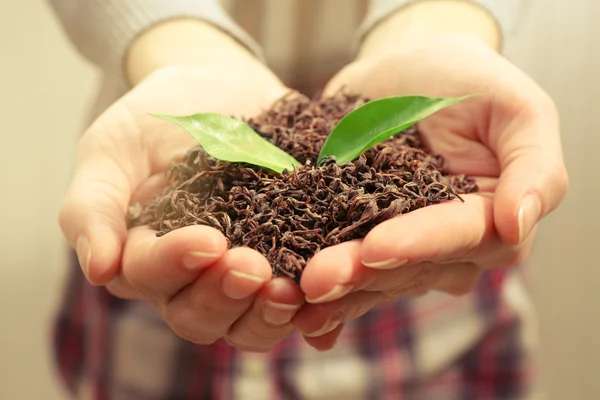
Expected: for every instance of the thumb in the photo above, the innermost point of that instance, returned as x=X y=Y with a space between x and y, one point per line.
x=533 y=181
x=92 y=216
x=349 y=79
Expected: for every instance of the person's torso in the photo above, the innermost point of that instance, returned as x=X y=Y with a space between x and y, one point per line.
x=304 y=41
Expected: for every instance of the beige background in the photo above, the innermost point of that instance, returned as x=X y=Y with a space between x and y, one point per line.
x=44 y=89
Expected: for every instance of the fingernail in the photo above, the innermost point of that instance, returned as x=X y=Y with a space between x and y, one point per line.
x=385 y=264
x=84 y=254
x=529 y=214
x=324 y=349
x=239 y=285
x=194 y=259
x=330 y=325
x=334 y=294
x=279 y=313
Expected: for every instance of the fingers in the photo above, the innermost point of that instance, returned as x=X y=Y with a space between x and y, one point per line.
x=333 y=272
x=204 y=311
x=92 y=217
x=321 y=324
x=152 y=186
x=446 y=232
x=268 y=321
x=517 y=120
x=213 y=289
x=457 y=279
x=534 y=179
x=93 y=220
x=326 y=341
x=443 y=247
x=316 y=320
x=158 y=268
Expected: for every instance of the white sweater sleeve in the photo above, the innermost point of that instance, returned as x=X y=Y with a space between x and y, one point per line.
x=506 y=13
x=102 y=30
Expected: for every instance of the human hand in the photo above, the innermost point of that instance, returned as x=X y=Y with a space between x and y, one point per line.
x=507 y=137
x=200 y=289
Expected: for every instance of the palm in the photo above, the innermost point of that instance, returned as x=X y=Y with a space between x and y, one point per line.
x=483 y=137
x=454 y=134
x=185 y=91
x=202 y=290
x=468 y=134
x=123 y=155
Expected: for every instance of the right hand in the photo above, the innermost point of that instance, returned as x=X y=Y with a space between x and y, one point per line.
x=203 y=291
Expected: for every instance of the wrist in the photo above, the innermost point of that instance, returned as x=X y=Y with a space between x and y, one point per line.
x=426 y=20
x=187 y=43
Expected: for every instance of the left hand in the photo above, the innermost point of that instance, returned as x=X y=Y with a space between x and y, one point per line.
x=507 y=137
x=201 y=290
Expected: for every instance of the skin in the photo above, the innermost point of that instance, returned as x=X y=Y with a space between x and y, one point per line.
x=201 y=290
x=507 y=135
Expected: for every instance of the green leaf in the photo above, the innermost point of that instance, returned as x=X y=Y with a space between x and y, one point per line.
x=376 y=121
x=232 y=140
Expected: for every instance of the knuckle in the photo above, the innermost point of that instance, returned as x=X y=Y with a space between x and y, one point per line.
x=420 y=293
x=418 y=282
x=65 y=214
x=417 y=285
x=531 y=105
x=561 y=181
x=517 y=257
x=137 y=277
x=465 y=286
x=115 y=291
x=541 y=103
x=250 y=336
x=184 y=324
x=460 y=288
x=547 y=102
x=425 y=274
x=185 y=332
x=213 y=315
x=462 y=280
x=118 y=289
x=201 y=340
x=354 y=309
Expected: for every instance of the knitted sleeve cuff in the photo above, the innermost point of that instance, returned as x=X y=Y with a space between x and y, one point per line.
x=103 y=30
x=506 y=13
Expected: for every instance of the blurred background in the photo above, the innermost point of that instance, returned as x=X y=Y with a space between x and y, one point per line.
x=45 y=89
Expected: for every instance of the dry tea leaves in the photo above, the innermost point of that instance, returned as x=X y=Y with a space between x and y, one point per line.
x=232 y=140
x=376 y=121
x=288 y=217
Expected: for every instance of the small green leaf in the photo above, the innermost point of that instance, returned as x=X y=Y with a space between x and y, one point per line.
x=232 y=140
x=376 y=121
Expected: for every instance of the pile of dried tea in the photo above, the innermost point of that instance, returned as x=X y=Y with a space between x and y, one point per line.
x=289 y=217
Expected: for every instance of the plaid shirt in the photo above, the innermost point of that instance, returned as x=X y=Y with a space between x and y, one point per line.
x=438 y=347
x=435 y=347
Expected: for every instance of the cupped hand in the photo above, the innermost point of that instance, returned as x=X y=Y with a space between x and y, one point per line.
x=507 y=136
x=203 y=291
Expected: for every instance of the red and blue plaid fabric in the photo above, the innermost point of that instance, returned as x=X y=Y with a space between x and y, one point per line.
x=436 y=347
